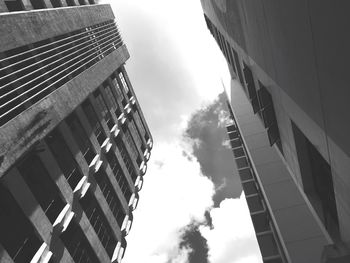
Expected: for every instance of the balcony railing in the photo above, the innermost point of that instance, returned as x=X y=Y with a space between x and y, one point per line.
x=28 y=74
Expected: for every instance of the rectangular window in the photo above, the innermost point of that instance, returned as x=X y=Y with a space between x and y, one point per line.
x=238 y=65
x=316 y=175
x=38 y=4
x=102 y=105
x=56 y=3
x=42 y=186
x=110 y=196
x=64 y=158
x=93 y=120
x=139 y=141
x=127 y=160
x=77 y=245
x=18 y=236
x=120 y=96
x=112 y=99
x=125 y=85
x=81 y=138
x=140 y=124
x=16 y=5
x=99 y=222
x=132 y=145
x=249 y=79
x=118 y=174
x=70 y=2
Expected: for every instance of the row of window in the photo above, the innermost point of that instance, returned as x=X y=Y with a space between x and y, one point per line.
x=29 y=73
x=49 y=198
x=260 y=98
x=18 y=5
x=268 y=240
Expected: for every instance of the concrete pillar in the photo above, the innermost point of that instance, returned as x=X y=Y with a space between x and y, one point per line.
x=30 y=207
x=3 y=7
x=48 y=3
x=27 y=5
x=4 y=256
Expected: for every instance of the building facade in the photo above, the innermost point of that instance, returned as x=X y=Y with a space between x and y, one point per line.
x=74 y=143
x=289 y=130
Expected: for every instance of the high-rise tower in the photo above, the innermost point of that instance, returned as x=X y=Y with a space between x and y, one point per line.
x=74 y=143
x=289 y=99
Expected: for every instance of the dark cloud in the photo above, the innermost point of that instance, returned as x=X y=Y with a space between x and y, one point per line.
x=208 y=219
x=216 y=160
x=193 y=239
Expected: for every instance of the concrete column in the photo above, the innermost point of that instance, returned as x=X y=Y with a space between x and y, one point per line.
x=107 y=212
x=68 y=137
x=85 y=123
x=4 y=256
x=27 y=5
x=109 y=106
x=30 y=207
x=48 y=3
x=99 y=116
x=116 y=188
x=93 y=239
x=55 y=172
x=3 y=7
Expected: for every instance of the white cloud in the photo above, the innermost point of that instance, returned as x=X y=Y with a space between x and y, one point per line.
x=232 y=240
x=174 y=194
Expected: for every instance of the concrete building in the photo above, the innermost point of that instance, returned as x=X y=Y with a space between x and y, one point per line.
x=289 y=100
x=74 y=143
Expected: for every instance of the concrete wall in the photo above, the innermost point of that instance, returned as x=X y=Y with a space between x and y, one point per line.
x=299 y=51
x=19 y=134
x=22 y=28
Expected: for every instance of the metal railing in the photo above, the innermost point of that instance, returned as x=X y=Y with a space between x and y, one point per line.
x=28 y=76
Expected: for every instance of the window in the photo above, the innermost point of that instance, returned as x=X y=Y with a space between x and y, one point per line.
x=120 y=95
x=238 y=65
x=93 y=120
x=70 y=2
x=112 y=99
x=118 y=174
x=125 y=84
x=18 y=236
x=140 y=123
x=316 y=175
x=110 y=196
x=56 y=3
x=98 y=221
x=42 y=186
x=77 y=244
x=127 y=160
x=101 y=104
x=38 y=4
x=81 y=138
x=132 y=145
x=82 y=2
x=16 y=5
x=64 y=158
x=139 y=141
x=249 y=79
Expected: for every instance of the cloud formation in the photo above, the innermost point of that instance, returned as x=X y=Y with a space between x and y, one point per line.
x=207 y=134
x=232 y=238
x=175 y=193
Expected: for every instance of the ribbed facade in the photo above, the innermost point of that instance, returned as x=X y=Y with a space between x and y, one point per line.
x=74 y=144
x=288 y=131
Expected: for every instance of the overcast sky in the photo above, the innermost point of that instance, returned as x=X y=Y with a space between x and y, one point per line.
x=191 y=207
